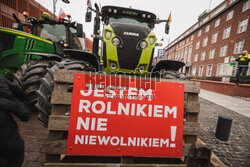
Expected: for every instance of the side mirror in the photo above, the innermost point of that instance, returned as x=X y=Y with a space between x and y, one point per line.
x=88 y=16
x=167 y=28
x=79 y=30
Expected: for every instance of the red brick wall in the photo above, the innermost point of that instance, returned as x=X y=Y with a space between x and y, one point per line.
x=242 y=90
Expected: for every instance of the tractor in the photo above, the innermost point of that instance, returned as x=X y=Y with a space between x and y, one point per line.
x=128 y=44
x=26 y=58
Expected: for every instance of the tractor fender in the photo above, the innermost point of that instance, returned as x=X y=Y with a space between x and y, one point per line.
x=167 y=65
x=84 y=55
x=46 y=55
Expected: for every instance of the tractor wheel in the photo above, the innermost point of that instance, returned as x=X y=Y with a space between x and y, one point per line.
x=44 y=93
x=28 y=78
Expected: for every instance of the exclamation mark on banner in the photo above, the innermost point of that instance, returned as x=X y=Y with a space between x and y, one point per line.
x=173 y=134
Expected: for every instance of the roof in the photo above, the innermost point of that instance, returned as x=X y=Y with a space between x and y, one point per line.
x=115 y=11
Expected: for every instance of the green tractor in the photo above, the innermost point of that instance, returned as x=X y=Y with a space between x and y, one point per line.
x=128 y=42
x=26 y=58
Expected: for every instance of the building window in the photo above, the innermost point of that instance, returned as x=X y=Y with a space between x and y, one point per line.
x=217 y=23
x=207 y=28
x=211 y=55
x=199 y=33
x=205 y=41
x=192 y=37
x=200 y=73
x=214 y=37
x=197 y=45
x=194 y=71
x=246 y=6
x=187 y=40
x=195 y=57
x=209 y=69
x=190 y=52
x=203 y=55
x=242 y=25
x=220 y=67
x=231 y=1
x=238 y=47
x=226 y=32
x=230 y=15
x=223 y=51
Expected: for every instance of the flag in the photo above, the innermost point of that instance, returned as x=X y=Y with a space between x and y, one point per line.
x=89 y=3
x=169 y=18
x=62 y=14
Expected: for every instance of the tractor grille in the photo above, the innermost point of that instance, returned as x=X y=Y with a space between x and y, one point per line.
x=29 y=44
x=6 y=42
x=129 y=56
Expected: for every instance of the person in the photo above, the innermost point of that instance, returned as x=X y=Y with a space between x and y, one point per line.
x=11 y=143
x=243 y=61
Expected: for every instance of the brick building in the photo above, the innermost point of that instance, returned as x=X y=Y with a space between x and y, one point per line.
x=8 y=7
x=209 y=46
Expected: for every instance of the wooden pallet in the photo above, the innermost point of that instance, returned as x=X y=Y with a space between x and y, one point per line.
x=59 y=121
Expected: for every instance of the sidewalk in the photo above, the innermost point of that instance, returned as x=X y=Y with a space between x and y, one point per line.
x=235 y=104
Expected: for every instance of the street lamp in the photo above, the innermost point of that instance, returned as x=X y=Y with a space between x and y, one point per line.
x=54 y=6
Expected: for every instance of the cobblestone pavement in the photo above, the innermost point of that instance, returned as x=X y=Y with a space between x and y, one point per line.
x=34 y=136
x=235 y=152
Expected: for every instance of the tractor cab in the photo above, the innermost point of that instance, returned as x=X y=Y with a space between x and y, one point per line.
x=113 y=14
x=63 y=33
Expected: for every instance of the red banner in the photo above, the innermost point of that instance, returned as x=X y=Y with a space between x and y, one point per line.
x=121 y=116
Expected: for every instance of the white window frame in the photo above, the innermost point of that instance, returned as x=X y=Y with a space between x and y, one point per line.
x=226 y=32
x=218 y=68
x=246 y=6
x=187 y=40
x=231 y=1
x=192 y=37
x=194 y=71
x=213 y=37
x=207 y=28
x=244 y=26
x=203 y=56
x=230 y=15
x=209 y=71
x=196 y=57
x=238 y=48
x=217 y=23
x=211 y=53
x=199 y=33
x=197 y=45
x=223 y=50
x=205 y=40
x=200 y=72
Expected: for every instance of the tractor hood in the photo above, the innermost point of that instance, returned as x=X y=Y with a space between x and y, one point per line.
x=131 y=35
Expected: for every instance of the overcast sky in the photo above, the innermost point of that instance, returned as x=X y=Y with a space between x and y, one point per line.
x=184 y=12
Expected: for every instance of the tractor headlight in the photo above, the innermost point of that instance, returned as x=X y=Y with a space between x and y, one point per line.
x=108 y=35
x=141 y=69
x=116 y=41
x=113 y=66
x=143 y=44
x=151 y=40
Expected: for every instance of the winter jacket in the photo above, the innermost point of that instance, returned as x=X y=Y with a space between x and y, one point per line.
x=11 y=143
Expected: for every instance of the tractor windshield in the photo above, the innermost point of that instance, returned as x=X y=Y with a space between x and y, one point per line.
x=128 y=20
x=55 y=33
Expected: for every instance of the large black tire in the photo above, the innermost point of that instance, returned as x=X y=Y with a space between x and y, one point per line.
x=28 y=78
x=44 y=93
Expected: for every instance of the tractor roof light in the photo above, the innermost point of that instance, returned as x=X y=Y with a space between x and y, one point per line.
x=144 y=15
x=108 y=35
x=115 y=11
x=110 y=10
x=25 y=14
x=116 y=41
x=149 y=16
x=46 y=16
x=143 y=44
